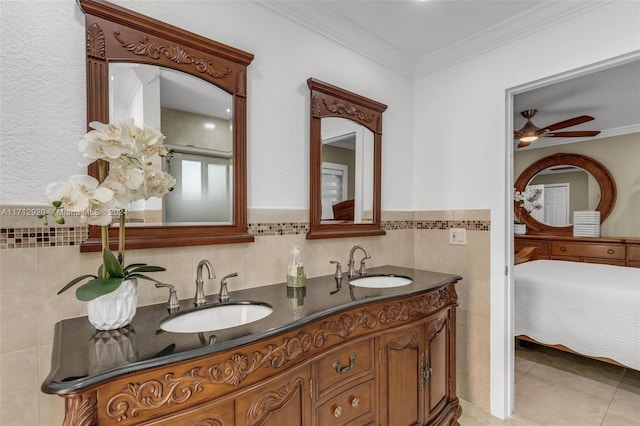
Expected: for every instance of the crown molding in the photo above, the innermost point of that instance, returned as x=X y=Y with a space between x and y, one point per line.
x=324 y=21
x=543 y=16
x=333 y=26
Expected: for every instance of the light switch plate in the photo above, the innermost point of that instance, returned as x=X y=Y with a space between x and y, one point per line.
x=457 y=236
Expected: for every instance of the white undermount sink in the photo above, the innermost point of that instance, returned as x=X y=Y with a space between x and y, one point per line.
x=380 y=281
x=216 y=317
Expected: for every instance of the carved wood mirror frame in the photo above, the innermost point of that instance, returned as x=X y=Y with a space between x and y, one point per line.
x=331 y=101
x=116 y=34
x=598 y=170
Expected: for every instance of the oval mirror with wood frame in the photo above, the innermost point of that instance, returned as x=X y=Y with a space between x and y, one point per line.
x=346 y=159
x=178 y=82
x=607 y=188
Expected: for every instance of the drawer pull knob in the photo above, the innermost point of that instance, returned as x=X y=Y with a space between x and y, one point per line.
x=563 y=248
x=355 y=402
x=338 y=411
x=342 y=370
x=611 y=251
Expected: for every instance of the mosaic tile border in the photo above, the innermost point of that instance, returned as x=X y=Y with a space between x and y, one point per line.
x=15 y=238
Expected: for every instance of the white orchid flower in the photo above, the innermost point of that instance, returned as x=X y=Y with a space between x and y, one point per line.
x=130 y=177
x=121 y=194
x=107 y=142
x=78 y=193
x=156 y=184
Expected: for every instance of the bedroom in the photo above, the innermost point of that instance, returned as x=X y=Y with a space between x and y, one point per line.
x=574 y=301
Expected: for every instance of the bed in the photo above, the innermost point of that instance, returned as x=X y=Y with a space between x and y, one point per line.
x=589 y=308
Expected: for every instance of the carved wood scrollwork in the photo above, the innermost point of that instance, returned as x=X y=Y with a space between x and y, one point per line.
x=177 y=54
x=271 y=401
x=435 y=327
x=208 y=422
x=95 y=42
x=411 y=339
x=169 y=390
x=81 y=410
x=347 y=108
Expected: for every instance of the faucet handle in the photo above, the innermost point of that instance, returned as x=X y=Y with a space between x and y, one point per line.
x=363 y=267
x=172 y=305
x=224 y=292
x=338 y=268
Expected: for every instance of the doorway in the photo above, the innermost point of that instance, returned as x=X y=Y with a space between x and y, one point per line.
x=508 y=374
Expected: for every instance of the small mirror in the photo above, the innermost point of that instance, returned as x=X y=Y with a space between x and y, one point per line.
x=346 y=158
x=584 y=184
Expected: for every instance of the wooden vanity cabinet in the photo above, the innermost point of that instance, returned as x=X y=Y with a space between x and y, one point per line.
x=388 y=363
x=418 y=372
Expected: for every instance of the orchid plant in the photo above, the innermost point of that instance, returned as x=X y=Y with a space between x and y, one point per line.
x=528 y=200
x=134 y=172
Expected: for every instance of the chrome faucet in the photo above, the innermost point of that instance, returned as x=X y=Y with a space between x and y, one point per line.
x=224 y=292
x=200 y=299
x=363 y=268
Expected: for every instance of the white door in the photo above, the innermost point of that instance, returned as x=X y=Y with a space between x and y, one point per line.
x=333 y=183
x=556 y=204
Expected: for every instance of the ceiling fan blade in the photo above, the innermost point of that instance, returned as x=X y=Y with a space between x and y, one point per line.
x=577 y=134
x=567 y=123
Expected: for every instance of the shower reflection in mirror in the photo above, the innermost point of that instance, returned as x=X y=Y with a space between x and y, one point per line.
x=196 y=119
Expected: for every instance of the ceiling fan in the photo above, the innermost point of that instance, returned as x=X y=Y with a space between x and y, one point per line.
x=530 y=132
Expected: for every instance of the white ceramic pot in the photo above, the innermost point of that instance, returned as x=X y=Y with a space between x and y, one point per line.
x=116 y=309
x=519 y=228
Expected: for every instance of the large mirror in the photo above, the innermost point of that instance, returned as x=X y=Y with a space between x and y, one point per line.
x=194 y=91
x=346 y=140
x=567 y=183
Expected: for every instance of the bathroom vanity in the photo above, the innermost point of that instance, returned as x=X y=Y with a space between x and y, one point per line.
x=357 y=356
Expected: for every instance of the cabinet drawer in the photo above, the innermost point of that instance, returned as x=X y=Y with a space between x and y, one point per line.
x=605 y=251
x=354 y=406
x=543 y=246
x=634 y=253
x=348 y=362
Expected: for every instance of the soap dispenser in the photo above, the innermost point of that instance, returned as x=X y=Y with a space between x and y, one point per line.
x=295 y=272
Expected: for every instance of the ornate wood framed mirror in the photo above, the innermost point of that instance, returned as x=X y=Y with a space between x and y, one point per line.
x=177 y=82
x=602 y=198
x=346 y=159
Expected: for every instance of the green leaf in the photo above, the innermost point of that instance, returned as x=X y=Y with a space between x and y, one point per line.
x=114 y=269
x=146 y=268
x=56 y=204
x=97 y=287
x=75 y=281
x=59 y=220
x=143 y=277
x=134 y=265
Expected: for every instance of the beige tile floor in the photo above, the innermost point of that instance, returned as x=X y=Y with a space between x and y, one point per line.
x=554 y=388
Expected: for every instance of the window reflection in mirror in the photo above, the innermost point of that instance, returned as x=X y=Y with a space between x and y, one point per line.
x=565 y=189
x=196 y=119
x=347 y=172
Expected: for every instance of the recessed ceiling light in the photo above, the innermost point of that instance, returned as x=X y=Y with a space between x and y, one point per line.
x=209 y=126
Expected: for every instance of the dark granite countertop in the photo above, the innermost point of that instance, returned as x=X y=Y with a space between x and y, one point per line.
x=83 y=357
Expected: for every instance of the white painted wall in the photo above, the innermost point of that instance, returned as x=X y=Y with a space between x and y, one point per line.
x=43 y=103
x=460 y=129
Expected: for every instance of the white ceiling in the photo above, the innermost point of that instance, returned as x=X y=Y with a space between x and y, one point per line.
x=416 y=38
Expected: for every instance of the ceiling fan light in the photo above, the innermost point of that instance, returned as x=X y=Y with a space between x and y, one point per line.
x=528 y=138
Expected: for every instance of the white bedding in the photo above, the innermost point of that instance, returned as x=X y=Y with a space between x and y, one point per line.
x=590 y=308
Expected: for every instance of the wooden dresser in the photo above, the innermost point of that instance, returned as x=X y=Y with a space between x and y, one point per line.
x=611 y=251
